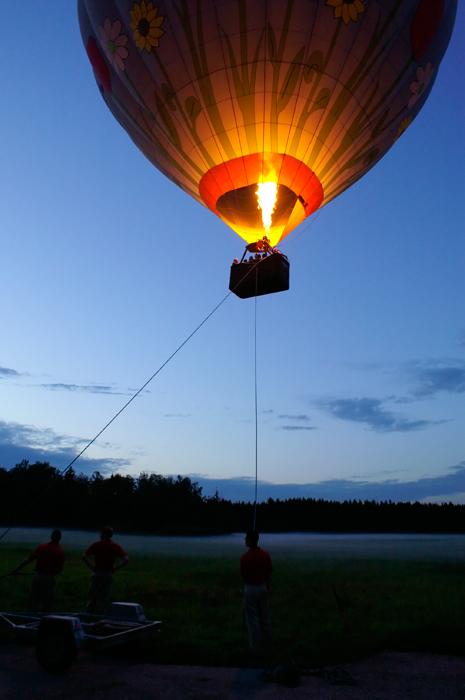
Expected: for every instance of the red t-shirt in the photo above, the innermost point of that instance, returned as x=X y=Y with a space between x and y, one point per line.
x=256 y=566
x=50 y=558
x=105 y=553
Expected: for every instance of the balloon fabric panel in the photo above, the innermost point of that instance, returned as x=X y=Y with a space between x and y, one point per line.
x=223 y=95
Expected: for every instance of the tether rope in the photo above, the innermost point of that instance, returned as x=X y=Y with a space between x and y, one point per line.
x=63 y=471
x=310 y=223
x=139 y=391
x=256 y=409
x=12 y=574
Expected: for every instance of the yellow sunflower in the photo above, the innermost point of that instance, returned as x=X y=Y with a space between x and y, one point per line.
x=146 y=25
x=349 y=10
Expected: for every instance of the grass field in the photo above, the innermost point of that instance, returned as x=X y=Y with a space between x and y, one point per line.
x=389 y=605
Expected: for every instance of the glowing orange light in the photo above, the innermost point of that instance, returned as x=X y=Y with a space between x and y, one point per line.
x=266 y=195
x=224 y=189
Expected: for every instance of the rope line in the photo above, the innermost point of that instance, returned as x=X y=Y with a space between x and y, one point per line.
x=256 y=410
x=12 y=574
x=63 y=471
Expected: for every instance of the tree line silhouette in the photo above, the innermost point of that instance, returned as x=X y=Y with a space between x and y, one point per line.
x=39 y=495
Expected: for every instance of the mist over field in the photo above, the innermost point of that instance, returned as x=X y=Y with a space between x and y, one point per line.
x=292 y=545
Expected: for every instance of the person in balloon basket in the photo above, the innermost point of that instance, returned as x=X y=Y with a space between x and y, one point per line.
x=256 y=570
x=50 y=559
x=105 y=552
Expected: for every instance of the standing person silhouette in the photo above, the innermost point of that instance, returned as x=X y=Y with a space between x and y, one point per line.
x=256 y=570
x=50 y=559
x=105 y=553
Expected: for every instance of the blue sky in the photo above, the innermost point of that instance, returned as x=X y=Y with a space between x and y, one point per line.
x=107 y=267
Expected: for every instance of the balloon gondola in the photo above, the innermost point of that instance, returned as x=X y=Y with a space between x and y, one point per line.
x=265 y=271
x=292 y=99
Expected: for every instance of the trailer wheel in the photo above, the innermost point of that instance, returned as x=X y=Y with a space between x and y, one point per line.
x=56 y=647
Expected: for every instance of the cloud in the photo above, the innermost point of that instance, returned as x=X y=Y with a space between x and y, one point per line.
x=300 y=417
x=370 y=411
x=446 y=487
x=6 y=372
x=89 y=388
x=295 y=427
x=429 y=377
x=434 y=376
x=401 y=399
x=19 y=442
x=18 y=434
x=92 y=388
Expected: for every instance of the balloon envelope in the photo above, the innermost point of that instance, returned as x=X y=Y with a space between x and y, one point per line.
x=223 y=95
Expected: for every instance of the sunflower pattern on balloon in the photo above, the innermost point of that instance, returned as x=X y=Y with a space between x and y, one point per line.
x=419 y=85
x=146 y=25
x=114 y=43
x=309 y=93
x=348 y=10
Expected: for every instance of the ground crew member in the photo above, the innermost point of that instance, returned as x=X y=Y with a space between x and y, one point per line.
x=255 y=570
x=105 y=553
x=49 y=558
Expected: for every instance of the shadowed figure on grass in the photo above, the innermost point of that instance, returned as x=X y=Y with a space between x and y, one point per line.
x=50 y=559
x=105 y=553
x=256 y=570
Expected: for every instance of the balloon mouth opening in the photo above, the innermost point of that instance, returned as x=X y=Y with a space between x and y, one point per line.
x=241 y=208
x=262 y=194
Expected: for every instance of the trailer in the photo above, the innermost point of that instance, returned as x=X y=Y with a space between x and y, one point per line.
x=59 y=638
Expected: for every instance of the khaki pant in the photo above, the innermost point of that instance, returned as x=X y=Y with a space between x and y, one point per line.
x=99 y=593
x=257 y=614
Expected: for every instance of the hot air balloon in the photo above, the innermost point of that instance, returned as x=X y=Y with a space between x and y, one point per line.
x=265 y=110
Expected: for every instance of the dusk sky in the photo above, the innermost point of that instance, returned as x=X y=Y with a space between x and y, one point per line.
x=107 y=268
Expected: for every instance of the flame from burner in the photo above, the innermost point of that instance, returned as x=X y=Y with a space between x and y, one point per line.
x=266 y=195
